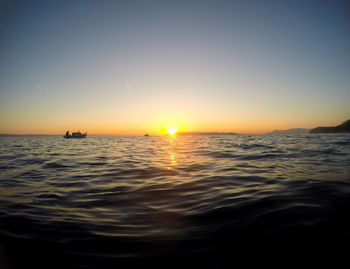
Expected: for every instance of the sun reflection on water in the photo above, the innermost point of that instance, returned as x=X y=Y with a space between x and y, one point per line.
x=173 y=161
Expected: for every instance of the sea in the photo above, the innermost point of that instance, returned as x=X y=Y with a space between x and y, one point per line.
x=187 y=201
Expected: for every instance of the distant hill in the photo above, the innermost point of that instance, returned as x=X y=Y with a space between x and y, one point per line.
x=291 y=131
x=342 y=128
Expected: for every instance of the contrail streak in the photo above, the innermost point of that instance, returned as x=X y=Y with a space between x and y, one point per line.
x=129 y=88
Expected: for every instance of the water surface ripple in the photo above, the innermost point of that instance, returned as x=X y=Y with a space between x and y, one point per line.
x=102 y=202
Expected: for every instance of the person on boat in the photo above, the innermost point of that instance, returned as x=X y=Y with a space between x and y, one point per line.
x=67 y=133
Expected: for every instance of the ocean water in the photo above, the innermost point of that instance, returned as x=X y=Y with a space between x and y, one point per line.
x=186 y=201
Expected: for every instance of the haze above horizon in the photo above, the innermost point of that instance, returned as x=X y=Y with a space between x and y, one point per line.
x=135 y=67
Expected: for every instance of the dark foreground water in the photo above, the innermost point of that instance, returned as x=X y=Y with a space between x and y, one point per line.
x=189 y=201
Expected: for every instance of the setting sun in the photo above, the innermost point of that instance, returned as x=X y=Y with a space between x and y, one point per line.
x=171 y=131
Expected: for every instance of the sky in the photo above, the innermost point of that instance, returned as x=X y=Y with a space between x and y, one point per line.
x=135 y=67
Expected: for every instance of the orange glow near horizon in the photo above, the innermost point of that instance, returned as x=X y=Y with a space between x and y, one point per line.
x=157 y=123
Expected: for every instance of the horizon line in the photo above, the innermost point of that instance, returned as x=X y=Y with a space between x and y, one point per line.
x=179 y=133
x=43 y=134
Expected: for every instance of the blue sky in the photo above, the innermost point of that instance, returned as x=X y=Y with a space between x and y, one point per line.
x=129 y=67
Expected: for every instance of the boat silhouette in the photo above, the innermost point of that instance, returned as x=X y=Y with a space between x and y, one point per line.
x=75 y=135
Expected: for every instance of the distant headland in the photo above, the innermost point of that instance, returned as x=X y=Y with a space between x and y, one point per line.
x=291 y=131
x=342 y=128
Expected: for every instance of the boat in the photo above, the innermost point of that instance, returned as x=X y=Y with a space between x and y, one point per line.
x=146 y=135
x=75 y=135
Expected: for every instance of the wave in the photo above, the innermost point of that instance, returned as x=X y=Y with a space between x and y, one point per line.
x=205 y=201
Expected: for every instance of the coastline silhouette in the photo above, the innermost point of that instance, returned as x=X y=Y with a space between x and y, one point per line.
x=341 y=128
